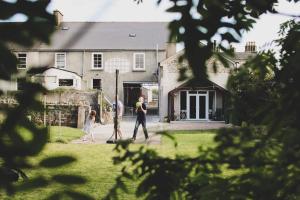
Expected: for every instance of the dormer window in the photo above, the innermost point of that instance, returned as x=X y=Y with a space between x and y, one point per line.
x=139 y=61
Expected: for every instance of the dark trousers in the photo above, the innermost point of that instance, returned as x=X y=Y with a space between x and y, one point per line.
x=137 y=124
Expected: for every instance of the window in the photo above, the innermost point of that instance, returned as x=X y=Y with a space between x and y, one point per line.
x=97 y=84
x=139 y=61
x=97 y=61
x=182 y=100
x=60 y=60
x=65 y=82
x=22 y=60
x=211 y=100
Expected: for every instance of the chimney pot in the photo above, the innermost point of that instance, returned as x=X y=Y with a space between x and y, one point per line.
x=250 y=47
x=170 y=49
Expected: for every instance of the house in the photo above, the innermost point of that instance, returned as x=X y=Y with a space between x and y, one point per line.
x=85 y=56
x=193 y=100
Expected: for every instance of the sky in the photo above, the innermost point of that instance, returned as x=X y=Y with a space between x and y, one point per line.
x=264 y=31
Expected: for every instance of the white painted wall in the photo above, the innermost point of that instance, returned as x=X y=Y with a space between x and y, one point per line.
x=52 y=84
x=8 y=85
x=168 y=82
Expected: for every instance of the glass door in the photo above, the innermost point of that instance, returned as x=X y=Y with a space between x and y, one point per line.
x=197 y=105
x=192 y=107
x=202 y=106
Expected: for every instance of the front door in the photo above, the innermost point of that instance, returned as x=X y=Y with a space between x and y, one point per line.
x=197 y=105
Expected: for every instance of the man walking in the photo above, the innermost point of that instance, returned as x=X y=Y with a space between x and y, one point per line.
x=141 y=111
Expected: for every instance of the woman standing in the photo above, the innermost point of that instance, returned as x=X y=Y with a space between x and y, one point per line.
x=141 y=111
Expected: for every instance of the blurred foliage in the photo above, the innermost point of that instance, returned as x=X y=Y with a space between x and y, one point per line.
x=19 y=137
x=262 y=153
x=251 y=86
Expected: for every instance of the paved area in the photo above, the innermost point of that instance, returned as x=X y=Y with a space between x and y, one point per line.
x=102 y=133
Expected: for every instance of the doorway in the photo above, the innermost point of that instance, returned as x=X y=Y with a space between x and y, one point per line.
x=197 y=105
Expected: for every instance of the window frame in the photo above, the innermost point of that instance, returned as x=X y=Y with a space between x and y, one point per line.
x=66 y=85
x=92 y=61
x=134 y=61
x=65 y=60
x=92 y=83
x=18 y=60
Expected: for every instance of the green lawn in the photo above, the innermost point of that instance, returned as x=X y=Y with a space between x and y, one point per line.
x=64 y=134
x=94 y=161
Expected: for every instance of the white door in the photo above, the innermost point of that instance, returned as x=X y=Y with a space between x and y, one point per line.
x=197 y=105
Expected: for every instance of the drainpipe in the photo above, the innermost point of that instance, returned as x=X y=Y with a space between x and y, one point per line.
x=158 y=79
x=82 y=66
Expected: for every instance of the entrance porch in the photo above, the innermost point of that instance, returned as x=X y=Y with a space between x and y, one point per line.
x=194 y=101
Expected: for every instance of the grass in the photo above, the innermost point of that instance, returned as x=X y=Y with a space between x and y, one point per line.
x=64 y=134
x=94 y=162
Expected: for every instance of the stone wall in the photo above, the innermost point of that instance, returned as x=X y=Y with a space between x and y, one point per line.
x=55 y=115
x=61 y=107
x=71 y=97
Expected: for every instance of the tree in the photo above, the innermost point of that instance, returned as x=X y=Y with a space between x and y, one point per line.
x=263 y=153
x=19 y=137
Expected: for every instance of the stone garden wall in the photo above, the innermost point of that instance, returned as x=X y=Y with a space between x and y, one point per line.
x=55 y=115
x=65 y=108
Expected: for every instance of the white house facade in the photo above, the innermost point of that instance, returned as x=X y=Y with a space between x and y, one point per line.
x=193 y=100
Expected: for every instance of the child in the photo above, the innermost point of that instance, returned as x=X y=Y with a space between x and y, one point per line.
x=89 y=124
x=120 y=113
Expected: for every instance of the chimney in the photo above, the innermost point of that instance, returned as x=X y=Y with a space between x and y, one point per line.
x=58 y=17
x=215 y=46
x=250 y=47
x=232 y=48
x=170 y=49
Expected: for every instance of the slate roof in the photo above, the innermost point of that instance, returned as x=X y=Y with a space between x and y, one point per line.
x=108 y=36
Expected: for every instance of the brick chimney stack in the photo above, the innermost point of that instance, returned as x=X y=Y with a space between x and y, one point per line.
x=250 y=47
x=170 y=49
x=58 y=17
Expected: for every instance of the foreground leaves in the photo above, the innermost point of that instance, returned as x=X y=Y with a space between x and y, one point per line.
x=20 y=138
x=262 y=154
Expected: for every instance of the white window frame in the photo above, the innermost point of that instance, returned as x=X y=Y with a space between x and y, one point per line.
x=64 y=61
x=92 y=61
x=25 y=60
x=134 y=62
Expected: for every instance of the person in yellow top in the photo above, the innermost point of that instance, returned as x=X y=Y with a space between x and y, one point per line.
x=141 y=111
